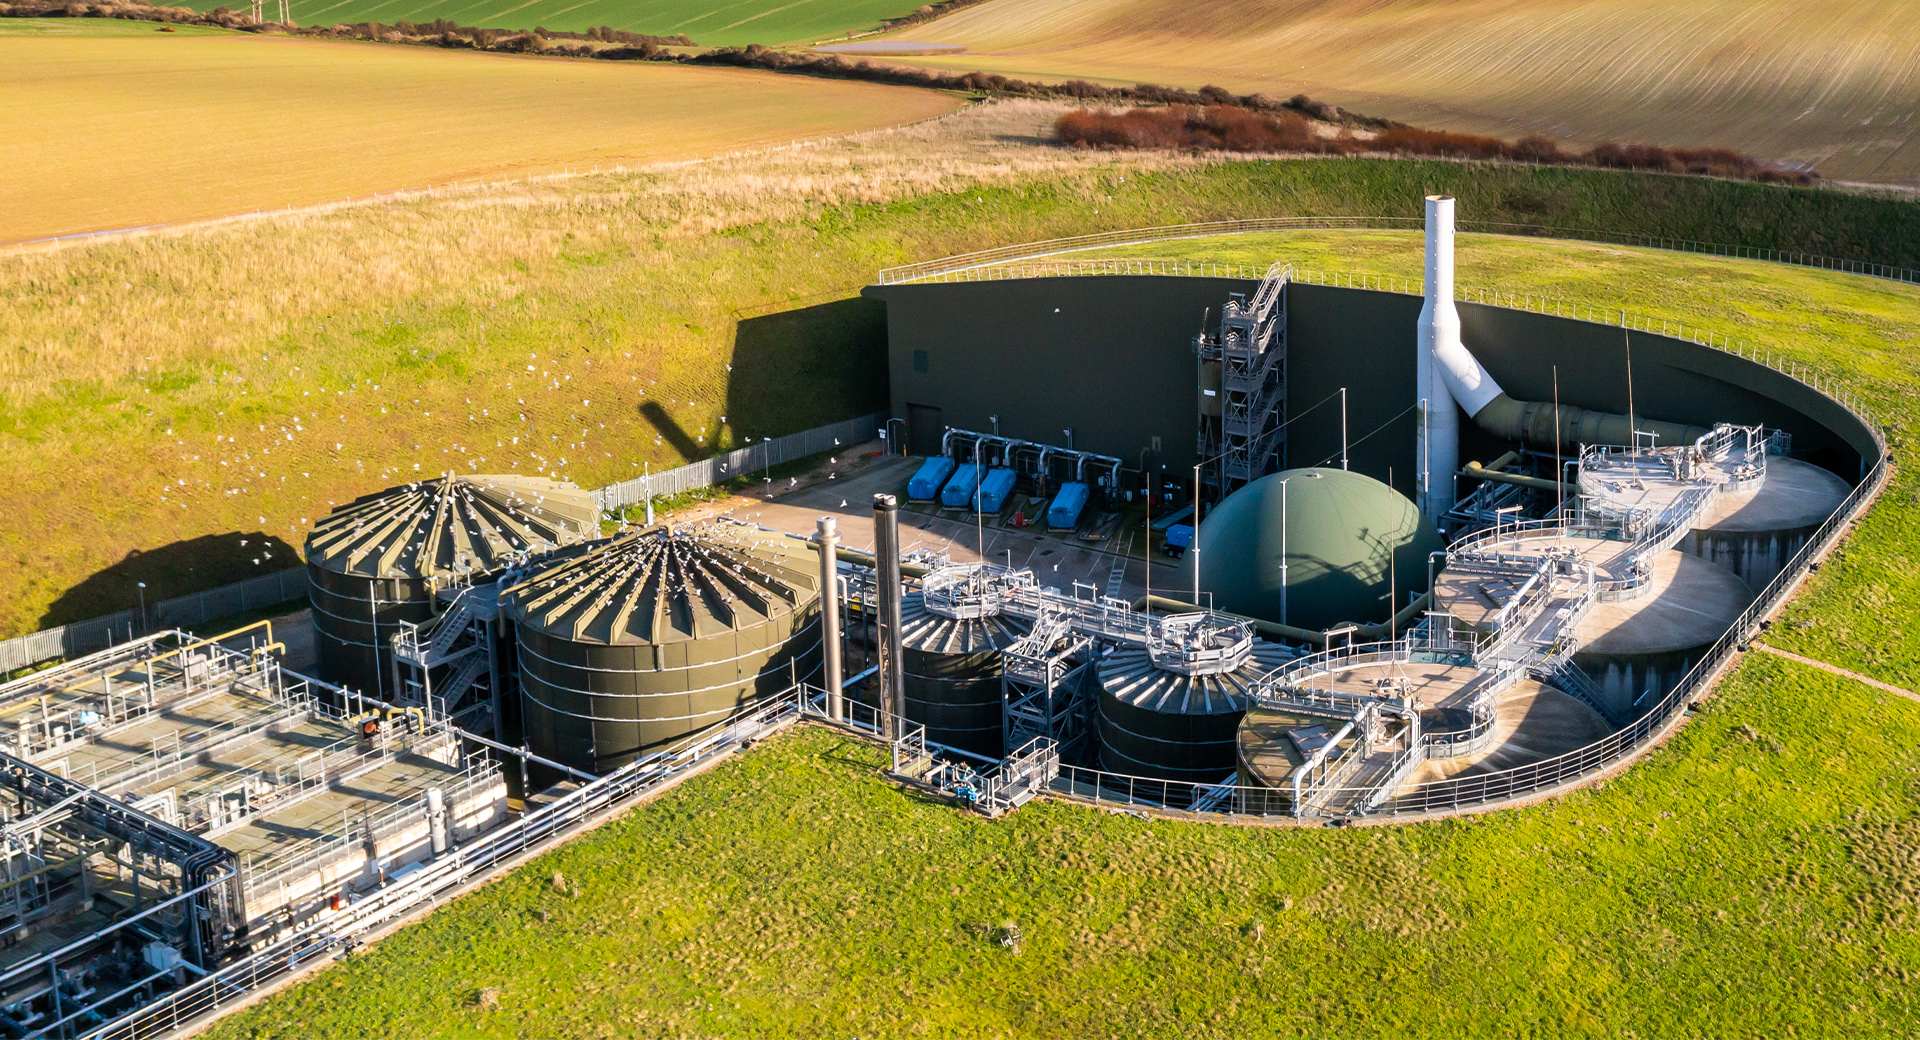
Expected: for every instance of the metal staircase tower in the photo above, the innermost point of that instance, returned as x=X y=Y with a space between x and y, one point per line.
x=1243 y=433
x=459 y=645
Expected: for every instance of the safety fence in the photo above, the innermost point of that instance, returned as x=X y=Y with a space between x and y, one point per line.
x=95 y=633
x=931 y=269
x=740 y=462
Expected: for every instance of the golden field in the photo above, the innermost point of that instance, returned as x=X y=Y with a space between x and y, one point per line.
x=112 y=129
x=1831 y=85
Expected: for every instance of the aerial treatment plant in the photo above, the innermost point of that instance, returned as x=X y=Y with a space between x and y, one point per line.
x=1242 y=550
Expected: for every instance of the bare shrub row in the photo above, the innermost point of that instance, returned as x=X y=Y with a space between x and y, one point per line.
x=1240 y=129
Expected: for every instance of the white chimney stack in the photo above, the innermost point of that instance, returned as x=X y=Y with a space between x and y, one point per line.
x=1437 y=440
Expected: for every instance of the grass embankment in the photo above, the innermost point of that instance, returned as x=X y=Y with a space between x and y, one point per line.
x=586 y=327
x=101 y=131
x=724 y=24
x=1752 y=878
x=1829 y=85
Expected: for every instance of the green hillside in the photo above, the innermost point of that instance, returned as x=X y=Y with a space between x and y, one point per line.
x=714 y=23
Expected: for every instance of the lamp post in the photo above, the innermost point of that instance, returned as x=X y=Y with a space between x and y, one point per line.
x=1193 y=544
x=1146 y=556
x=1286 y=522
x=143 y=607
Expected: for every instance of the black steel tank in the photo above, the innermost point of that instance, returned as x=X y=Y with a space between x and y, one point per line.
x=951 y=674
x=631 y=643
x=1158 y=723
x=379 y=560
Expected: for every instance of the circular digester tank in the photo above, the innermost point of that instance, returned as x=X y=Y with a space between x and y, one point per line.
x=950 y=663
x=630 y=643
x=1168 y=715
x=379 y=560
x=1754 y=533
x=1314 y=548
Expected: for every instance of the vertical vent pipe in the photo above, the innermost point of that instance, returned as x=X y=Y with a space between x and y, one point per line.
x=1437 y=434
x=830 y=614
x=886 y=560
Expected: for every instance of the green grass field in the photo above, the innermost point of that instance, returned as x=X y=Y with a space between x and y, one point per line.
x=1828 y=84
x=1753 y=878
x=163 y=401
x=710 y=23
x=120 y=126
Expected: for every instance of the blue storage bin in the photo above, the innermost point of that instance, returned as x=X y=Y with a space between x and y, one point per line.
x=926 y=484
x=1065 y=512
x=995 y=489
x=958 y=494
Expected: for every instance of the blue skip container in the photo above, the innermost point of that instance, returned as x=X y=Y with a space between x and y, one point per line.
x=1064 y=515
x=995 y=489
x=958 y=494
x=925 y=485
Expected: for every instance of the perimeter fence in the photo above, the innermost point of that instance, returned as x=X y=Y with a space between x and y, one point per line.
x=1142 y=236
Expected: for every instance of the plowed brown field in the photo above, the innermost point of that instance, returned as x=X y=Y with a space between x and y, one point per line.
x=1829 y=84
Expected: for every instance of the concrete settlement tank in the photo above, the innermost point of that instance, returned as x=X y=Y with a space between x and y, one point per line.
x=630 y=643
x=378 y=560
x=1754 y=533
x=1350 y=546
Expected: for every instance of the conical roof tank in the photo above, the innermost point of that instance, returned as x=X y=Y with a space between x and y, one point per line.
x=1349 y=545
x=1166 y=723
x=951 y=670
x=377 y=561
x=630 y=643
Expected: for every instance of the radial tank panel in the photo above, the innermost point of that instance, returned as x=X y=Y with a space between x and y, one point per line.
x=633 y=642
x=951 y=674
x=378 y=560
x=1168 y=726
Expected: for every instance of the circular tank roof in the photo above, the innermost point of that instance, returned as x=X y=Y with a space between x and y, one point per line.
x=665 y=585
x=451 y=525
x=1349 y=542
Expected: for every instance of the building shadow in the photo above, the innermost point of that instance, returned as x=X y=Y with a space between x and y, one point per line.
x=183 y=567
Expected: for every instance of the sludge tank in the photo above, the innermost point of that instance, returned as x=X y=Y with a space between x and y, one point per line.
x=379 y=560
x=633 y=642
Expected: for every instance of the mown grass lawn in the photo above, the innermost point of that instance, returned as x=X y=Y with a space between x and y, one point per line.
x=1754 y=877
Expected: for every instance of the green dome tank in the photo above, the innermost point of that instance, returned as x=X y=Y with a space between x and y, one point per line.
x=1353 y=542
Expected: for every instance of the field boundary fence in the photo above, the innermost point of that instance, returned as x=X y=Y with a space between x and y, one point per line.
x=284 y=586
x=178 y=612
x=934 y=269
x=744 y=461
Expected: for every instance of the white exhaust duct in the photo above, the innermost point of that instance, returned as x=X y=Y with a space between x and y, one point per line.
x=1437 y=437
x=1449 y=375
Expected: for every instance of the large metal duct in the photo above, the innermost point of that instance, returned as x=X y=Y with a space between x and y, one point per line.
x=633 y=642
x=378 y=560
x=1450 y=374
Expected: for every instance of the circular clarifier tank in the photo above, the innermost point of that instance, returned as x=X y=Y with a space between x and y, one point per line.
x=950 y=674
x=1754 y=533
x=1635 y=647
x=632 y=643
